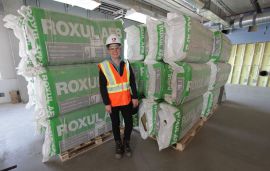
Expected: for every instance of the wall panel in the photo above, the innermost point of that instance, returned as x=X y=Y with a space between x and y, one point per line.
x=247 y=61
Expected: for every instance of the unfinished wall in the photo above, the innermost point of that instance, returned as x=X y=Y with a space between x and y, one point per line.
x=250 y=55
x=247 y=61
x=8 y=76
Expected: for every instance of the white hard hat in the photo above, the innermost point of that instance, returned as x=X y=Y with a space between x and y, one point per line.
x=113 y=38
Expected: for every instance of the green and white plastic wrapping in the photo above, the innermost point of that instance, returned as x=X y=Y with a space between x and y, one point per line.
x=187 y=40
x=148 y=118
x=58 y=38
x=223 y=72
x=221 y=48
x=175 y=122
x=186 y=81
x=154 y=76
x=219 y=74
x=156 y=34
x=210 y=99
x=75 y=128
x=138 y=70
x=136 y=37
x=70 y=87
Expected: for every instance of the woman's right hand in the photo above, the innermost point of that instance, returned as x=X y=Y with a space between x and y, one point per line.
x=108 y=109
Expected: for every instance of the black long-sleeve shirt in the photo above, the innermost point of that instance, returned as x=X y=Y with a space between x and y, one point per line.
x=103 y=84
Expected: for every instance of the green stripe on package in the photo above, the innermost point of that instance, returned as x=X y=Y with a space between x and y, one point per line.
x=155 y=121
x=161 y=41
x=70 y=87
x=138 y=70
x=142 y=39
x=176 y=127
x=79 y=126
x=135 y=120
x=207 y=103
x=217 y=46
x=221 y=48
x=187 y=33
x=67 y=39
x=210 y=99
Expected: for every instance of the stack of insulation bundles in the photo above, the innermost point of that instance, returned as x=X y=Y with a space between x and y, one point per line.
x=155 y=70
x=154 y=78
x=220 y=70
x=169 y=121
x=136 y=37
x=186 y=47
x=59 y=55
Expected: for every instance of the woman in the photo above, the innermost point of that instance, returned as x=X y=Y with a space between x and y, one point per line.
x=119 y=93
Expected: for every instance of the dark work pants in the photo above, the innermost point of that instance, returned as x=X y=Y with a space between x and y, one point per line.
x=126 y=113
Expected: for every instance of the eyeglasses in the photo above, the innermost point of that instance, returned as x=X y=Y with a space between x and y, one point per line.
x=113 y=49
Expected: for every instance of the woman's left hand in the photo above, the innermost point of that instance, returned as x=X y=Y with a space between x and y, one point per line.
x=135 y=102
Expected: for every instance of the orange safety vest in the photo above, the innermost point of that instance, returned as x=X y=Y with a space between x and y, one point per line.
x=118 y=86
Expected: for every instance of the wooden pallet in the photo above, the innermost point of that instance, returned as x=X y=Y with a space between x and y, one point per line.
x=182 y=144
x=82 y=148
x=210 y=114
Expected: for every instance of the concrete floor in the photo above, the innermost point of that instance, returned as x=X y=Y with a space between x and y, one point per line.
x=235 y=138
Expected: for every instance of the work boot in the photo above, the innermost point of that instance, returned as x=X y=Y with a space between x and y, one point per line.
x=128 y=151
x=118 y=150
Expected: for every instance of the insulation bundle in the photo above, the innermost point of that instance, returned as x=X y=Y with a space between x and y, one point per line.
x=187 y=40
x=210 y=99
x=136 y=40
x=219 y=74
x=69 y=87
x=221 y=48
x=223 y=72
x=213 y=75
x=148 y=118
x=70 y=130
x=154 y=76
x=55 y=38
x=156 y=35
x=186 y=81
x=138 y=70
x=175 y=122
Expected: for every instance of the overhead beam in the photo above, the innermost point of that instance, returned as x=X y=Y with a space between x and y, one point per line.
x=256 y=6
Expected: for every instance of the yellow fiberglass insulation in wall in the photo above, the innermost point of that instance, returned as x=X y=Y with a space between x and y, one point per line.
x=247 y=61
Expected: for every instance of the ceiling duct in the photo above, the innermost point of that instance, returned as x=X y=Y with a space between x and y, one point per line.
x=242 y=21
x=251 y=20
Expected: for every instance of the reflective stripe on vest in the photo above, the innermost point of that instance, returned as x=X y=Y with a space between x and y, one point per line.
x=107 y=71
x=118 y=88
